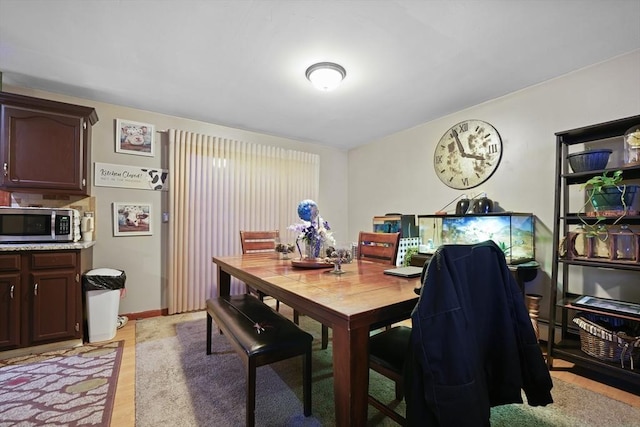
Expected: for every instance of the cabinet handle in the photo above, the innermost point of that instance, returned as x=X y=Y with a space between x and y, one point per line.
x=5 y=168
x=35 y=290
x=11 y=291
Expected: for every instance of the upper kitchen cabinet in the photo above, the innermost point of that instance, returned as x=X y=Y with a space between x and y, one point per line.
x=45 y=146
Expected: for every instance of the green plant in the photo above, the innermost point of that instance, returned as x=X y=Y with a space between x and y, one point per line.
x=504 y=248
x=597 y=182
x=595 y=185
x=409 y=255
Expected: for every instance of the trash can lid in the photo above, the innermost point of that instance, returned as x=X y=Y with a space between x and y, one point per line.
x=104 y=272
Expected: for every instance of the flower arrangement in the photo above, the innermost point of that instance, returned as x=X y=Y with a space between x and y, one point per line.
x=313 y=231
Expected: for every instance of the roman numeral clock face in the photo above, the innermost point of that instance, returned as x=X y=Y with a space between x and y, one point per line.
x=467 y=154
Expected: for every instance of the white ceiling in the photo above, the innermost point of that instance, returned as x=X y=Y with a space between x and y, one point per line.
x=241 y=63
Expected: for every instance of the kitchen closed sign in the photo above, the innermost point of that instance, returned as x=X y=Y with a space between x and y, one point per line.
x=121 y=176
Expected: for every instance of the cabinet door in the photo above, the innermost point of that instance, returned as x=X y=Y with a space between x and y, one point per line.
x=54 y=305
x=9 y=310
x=43 y=150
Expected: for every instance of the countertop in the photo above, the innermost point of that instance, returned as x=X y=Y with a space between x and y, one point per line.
x=6 y=247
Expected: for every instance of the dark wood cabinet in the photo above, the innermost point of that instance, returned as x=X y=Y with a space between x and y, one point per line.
x=41 y=297
x=10 y=300
x=55 y=297
x=45 y=145
x=571 y=274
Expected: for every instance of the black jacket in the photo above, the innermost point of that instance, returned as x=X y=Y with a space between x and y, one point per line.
x=472 y=342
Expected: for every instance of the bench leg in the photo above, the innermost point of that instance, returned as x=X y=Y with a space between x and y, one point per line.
x=296 y=317
x=251 y=393
x=209 y=331
x=306 y=382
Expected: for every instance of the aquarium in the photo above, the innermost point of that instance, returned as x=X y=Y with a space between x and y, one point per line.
x=512 y=232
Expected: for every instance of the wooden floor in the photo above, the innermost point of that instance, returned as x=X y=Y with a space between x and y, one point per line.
x=124 y=408
x=124 y=411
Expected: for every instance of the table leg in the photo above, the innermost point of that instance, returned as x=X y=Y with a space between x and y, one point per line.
x=224 y=283
x=350 y=375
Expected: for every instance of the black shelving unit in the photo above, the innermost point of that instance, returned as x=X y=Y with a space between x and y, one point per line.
x=568 y=347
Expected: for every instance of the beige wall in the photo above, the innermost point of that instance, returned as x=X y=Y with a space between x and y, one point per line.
x=405 y=182
x=142 y=257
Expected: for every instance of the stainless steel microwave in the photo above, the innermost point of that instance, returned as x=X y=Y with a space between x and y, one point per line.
x=23 y=225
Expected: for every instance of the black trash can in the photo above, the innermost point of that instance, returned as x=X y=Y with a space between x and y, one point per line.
x=102 y=287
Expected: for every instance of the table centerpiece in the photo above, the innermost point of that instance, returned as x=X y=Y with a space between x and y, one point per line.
x=337 y=257
x=314 y=234
x=284 y=249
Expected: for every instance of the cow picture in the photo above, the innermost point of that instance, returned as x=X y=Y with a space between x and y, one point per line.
x=131 y=219
x=134 y=138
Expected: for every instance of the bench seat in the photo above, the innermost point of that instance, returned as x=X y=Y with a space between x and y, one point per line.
x=260 y=336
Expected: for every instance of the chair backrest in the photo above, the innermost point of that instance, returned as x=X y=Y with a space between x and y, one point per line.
x=258 y=241
x=378 y=247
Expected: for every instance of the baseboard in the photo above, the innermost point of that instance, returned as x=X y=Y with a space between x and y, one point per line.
x=147 y=314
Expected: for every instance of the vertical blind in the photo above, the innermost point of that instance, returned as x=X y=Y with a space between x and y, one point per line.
x=218 y=187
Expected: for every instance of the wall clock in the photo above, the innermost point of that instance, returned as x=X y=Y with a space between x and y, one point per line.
x=468 y=154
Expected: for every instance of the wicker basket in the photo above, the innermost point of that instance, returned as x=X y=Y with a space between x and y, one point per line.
x=604 y=344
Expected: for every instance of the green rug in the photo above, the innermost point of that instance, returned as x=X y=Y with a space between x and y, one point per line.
x=178 y=384
x=74 y=387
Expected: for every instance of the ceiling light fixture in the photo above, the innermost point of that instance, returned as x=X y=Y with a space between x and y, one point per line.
x=326 y=75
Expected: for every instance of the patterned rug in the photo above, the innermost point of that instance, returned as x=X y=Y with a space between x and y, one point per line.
x=73 y=387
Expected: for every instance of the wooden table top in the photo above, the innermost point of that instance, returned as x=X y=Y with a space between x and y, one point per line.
x=361 y=291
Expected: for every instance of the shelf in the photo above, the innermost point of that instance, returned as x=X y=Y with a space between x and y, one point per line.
x=565 y=222
x=574 y=218
x=569 y=350
x=579 y=308
x=597 y=132
x=628 y=173
x=618 y=265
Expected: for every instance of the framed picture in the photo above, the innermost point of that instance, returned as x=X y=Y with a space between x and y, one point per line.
x=608 y=305
x=135 y=138
x=132 y=219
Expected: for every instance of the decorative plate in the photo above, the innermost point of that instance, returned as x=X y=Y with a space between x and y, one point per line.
x=310 y=264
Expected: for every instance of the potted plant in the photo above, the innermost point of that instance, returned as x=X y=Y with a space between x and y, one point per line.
x=409 y=254
x=607 y=193
x=609 y=197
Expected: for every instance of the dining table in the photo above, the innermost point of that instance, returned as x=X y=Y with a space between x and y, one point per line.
x=361 y=299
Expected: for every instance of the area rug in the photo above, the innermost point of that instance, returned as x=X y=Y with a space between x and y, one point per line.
x=74 y=387
x=178 y=384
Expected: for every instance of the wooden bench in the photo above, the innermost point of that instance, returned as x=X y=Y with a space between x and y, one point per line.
x=260 y=336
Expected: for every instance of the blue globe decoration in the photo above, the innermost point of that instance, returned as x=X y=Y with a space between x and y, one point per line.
x=308 y=210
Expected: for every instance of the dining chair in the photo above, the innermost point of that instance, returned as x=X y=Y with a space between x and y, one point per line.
x=486 y=328
x=255 y=242
x=387 y=353
x=387 y=350
x=378 y=247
